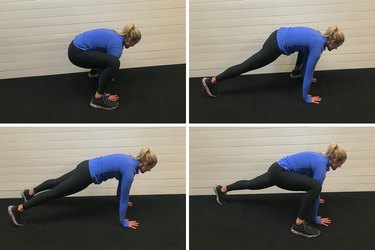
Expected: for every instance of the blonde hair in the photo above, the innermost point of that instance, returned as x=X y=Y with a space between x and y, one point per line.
x=146 y=155
x=334 y=33
x=132 y=32
x=334 y=151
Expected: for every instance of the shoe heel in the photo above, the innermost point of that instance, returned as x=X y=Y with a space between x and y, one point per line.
x=206 y=88
x=23 y=196
x=217 y=197
x=12 y=216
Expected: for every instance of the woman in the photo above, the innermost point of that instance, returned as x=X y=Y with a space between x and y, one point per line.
x=309 y=44
x=304 y=171
x=120 y=166
x=100 y=50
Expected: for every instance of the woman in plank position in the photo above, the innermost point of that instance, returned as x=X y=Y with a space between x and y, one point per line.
x=120 y=166
x=309 y=44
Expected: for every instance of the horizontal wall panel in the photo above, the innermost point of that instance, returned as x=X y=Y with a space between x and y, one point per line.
x=29 y=156
x=228 y=154
x=225 y=33
x=41 y=31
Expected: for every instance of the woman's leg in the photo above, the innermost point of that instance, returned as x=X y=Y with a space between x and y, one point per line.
x=68 y=184
x=28 y=194
x=299 y=61
x=48 y=184
x=276 y=175
x=269 y=53
x=296 y=72
x=260 y=182
x=94 y=59
x=296 y=182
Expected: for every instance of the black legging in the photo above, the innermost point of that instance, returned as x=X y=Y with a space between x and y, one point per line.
x=70 y=183
x=92 y=59
x=269 y=53
x=299 y=59
x=278 y=176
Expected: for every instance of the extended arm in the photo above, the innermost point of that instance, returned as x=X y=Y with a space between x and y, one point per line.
x=123 y=191
x=309 y=65
x=318 y=175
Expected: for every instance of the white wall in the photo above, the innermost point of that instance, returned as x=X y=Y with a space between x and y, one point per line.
x=29 y=156
x=35 y=35
x=224 y=33
x=225 y=155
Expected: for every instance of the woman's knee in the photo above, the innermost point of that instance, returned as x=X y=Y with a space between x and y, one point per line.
x=117 y=64
x=317 y=187
x=114 y=63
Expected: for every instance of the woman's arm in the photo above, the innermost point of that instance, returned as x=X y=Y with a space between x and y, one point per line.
x=309 y=65
x=314 y=211
x=123 y=193
x=319 y=175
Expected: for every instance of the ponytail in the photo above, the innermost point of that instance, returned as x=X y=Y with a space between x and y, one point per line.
x=334 y=151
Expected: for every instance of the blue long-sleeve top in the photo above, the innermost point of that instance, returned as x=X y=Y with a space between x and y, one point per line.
x=104 y=40
x=123 y=168
x=307 y=41
x=312 y=164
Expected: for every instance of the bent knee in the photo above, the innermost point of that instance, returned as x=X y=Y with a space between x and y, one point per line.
x=317 y=187
x=115 y=63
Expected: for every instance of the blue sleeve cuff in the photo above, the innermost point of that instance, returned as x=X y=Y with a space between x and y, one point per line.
x=317 y=220
x=308 y=99
x=125 y=223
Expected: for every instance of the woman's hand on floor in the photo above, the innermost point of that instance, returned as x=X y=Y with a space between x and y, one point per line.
x=315 y=99
x=325 y=221
x=322 y=201
x=133 y=224
x=113 y=98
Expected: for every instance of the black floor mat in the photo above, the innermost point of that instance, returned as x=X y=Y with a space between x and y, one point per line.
x=263 y=222
x=347 y=97
x=92 y=223
x=147 y=95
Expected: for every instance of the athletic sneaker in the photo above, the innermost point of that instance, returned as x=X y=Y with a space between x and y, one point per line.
x=211 y=89
x=305 y=230
x=16 y=216
x=103 y=103
x=93 y=73
x=25 y=195
x=295 y=74
x=220 y=196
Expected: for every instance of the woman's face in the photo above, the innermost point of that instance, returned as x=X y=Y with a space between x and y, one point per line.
x=331 y=45
x=335 y=164
x=129 y=43
x=145 y=167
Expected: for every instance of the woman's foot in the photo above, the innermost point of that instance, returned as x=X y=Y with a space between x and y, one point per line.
x=93 y=73
x=103 y=103
x=210 y=88
x=26 y=195
x=220 y=196
x=16 y=216
x=305 y=229
x=295 y=74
